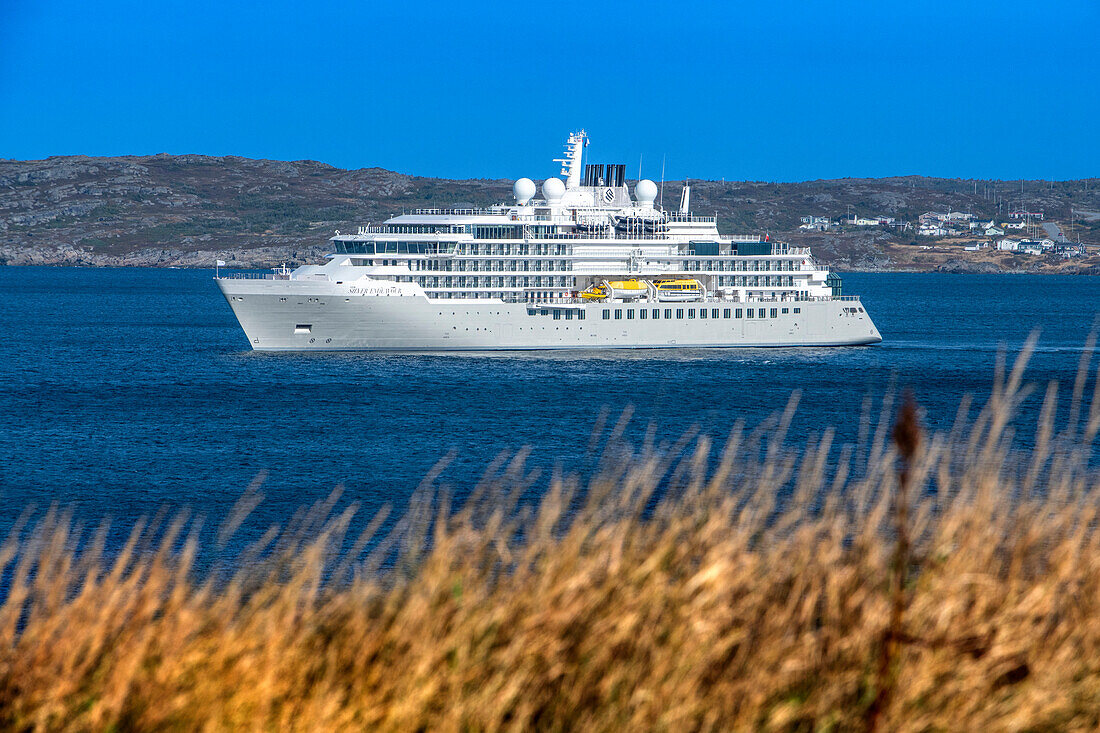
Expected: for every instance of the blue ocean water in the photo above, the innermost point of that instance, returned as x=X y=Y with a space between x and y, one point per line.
x=126 y=390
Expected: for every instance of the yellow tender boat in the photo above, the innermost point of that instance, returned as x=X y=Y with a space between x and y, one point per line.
x=625 y=289
x=678 y=290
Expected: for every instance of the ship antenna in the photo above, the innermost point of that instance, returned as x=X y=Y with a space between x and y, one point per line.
x=661 y=203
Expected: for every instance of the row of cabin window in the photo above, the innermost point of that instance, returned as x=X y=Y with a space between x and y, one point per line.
x=532 y=296
x=740 y=265
x=758 y=281
x=471 y=281
x=567 y=265
x=643 y=313
x=751 y=281
x=724 y=265
x=460 y=248
x=491 y=265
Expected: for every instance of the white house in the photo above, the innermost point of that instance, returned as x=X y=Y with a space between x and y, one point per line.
x=927 y=230
x=815 y=223
x=1008 y=245
x=994 y=232
x=1013 y=225
x=862 y=221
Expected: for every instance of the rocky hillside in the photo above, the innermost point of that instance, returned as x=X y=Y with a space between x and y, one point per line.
x=188 y=210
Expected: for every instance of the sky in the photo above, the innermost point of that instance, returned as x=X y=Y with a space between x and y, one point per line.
x=773 y=91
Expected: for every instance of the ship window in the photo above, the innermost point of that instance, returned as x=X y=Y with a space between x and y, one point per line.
x=748 y=312
x=714 y=313
x=557 y=314
x=630 y=314
x=737 y=313
x=656 y=313
x=668 y=313
x=797 y=310
x=580 y=315
x=786 y=310
x=643 y=314
x=691 y=313
x=303 y=328
x=618 y=314
x=774 y=313
x=761 y=313
x=702 y=312
x=569 y=315
x=606 y=313
x=679 y=312
x=726 y=313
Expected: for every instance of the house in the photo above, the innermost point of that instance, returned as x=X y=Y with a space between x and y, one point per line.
x=1013 y=225
x=928 y=230
x=1025 y=215
x=862 y=221
x=994 y=232
x=1008 y=245
x=815 y=223
x=1069 y=251
x=957 y=216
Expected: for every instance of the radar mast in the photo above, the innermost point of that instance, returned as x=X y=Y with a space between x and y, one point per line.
x=571 y=163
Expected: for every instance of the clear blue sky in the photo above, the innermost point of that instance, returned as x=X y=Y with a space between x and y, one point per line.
x=772 y=90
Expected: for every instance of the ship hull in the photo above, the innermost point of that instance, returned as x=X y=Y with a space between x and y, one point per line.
x=294 y=315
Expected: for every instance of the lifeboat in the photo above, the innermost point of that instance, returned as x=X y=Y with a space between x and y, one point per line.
x=622 y=289
x=627 y=289
x=671 y=291
x=596 y=292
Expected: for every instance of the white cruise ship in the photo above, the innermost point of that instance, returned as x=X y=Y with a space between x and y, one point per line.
x=586 y=266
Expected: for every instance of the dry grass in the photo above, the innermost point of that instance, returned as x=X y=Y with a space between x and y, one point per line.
x=665 y=596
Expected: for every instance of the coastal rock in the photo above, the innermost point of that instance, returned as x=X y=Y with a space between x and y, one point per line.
x=177 y=209
x=974 y=268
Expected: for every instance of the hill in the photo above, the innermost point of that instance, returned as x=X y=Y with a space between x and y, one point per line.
x=187 y=210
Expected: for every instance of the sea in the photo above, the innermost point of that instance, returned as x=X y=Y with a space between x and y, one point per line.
x=128 y=392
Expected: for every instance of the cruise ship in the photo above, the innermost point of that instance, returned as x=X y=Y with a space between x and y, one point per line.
x=589 y=264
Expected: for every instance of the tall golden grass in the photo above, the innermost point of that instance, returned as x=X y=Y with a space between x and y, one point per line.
x=946 y=581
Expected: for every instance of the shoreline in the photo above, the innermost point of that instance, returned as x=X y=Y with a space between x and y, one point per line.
x=949 y=267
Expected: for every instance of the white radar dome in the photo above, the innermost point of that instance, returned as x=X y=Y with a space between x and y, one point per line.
x=553 y=189
x=524 y=190
x=646 y=191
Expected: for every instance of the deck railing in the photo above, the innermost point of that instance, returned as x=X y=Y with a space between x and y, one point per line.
x=253 y=276
x=569 y=300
